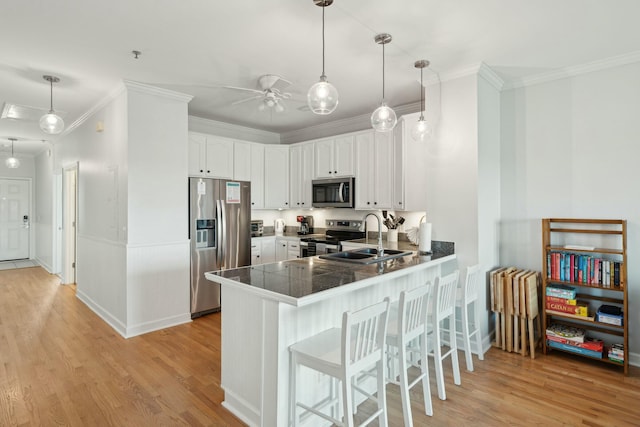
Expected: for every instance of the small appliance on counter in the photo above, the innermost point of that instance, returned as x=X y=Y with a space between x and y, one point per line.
x=257 y=228
x=306 y=224
x=278 y=226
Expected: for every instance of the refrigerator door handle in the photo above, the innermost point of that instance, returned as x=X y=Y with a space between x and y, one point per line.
x=219 y=233
x=224 y=261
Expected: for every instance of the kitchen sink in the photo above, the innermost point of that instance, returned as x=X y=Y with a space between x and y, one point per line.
x=365 y=255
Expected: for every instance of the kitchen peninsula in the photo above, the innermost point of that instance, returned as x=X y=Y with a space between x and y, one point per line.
x=268 y=307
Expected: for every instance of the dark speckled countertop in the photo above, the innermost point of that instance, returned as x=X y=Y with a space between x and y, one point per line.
x=295 y=280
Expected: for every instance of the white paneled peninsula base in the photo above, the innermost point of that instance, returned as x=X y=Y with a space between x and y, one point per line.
x=266 y=308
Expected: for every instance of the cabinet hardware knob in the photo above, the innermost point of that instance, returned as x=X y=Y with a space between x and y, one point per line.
x=335 y=171
x=368 y=203
x=201 y=170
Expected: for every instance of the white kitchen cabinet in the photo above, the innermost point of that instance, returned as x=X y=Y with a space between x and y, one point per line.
x=257 y=176
x=374 y=170
x=301 y=175
x=287 y=248
x=410 y=167
x=334 y=157
x=276 y=177
x=242 y=161
x=210 y=156
x=263 y=250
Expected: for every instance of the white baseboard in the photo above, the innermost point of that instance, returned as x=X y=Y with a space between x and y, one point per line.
x=241 y=409
x=156 y=325
x=102 y=313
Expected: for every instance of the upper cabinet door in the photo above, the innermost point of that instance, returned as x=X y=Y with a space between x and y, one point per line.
x=210 y=156
x=276 y=177
x=384 y=178
x=343 y=154
x=197 y=154
x=324 y=158
x=257 y=176
x=219 y=157
x=241 y=161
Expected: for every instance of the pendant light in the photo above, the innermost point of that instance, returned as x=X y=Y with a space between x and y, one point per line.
x=383 y=118
x=51 y=123
x=322 y=97
x=421 y=129
x=12 y=162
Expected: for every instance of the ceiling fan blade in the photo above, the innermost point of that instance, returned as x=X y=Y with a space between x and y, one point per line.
x=242 y=101
x=246 y=89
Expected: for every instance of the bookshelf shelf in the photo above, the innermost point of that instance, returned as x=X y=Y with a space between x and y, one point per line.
x=596 y=243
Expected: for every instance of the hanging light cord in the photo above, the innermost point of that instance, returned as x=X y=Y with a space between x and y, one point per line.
x=421 y=96
x=12 y=149
x=51 y=97
x=383 y=72
x=323 y=8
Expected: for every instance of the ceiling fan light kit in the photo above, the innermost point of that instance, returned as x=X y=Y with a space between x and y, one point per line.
x=421 y=130
x=383 y=119
x=12 y=162
x=322 y=97
x=51 y=123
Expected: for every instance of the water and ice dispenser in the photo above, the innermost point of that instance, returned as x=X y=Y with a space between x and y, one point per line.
x=205 y=233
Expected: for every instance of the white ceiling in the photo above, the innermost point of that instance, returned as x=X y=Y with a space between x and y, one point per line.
x=188 y=45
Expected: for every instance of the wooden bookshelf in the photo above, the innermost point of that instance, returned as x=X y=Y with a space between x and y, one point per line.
x=602 y=239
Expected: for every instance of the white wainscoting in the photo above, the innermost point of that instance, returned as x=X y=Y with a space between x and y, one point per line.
x=101 y=279
x=158 y=277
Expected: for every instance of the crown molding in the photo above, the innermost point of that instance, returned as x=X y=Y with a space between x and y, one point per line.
x=339 y=127
x=563 y=73
x=157 y=91
x=229 y=130
x=93 y=110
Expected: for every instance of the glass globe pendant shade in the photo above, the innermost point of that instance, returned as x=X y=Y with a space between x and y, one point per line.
x=12 y=162
x=383 y=118
x=51 y=123
x=322 y=97
x=421 y=130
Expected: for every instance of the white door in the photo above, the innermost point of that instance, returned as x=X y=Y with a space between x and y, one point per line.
x=14 y=219
x=69 y=224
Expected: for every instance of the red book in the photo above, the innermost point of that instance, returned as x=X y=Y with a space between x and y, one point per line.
x=579 y=309
x=589 y=343
x=560 y=300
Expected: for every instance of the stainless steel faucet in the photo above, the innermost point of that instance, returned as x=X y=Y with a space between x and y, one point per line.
x=380 y=247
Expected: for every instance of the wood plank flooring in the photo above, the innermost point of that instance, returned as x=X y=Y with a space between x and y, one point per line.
x=60 y=364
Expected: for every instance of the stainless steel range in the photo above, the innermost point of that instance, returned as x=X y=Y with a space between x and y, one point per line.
x=337 y=230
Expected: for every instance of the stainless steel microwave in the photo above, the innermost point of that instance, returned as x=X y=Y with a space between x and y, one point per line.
x=333 y=193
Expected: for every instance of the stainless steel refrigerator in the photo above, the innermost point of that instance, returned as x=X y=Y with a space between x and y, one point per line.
x=220 y=233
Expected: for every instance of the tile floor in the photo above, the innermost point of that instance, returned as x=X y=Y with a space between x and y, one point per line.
x=20 y=263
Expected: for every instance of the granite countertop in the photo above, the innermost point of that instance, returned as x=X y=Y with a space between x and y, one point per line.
x=294 y=280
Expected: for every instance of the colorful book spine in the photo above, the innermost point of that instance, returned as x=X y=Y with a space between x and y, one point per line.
x=559 y=300
x=589 y=344
x=579 y=309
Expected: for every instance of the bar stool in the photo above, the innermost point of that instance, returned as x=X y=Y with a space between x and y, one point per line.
x=468 y=295
x=343 y=353
x=408 y=327
x=444 y=308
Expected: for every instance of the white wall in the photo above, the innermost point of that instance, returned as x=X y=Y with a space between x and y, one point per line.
x=570 y=149
x=43 y=221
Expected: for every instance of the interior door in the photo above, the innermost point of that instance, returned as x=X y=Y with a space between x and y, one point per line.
x=14 y=219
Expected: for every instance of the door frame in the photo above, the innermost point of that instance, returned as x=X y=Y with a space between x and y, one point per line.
x=69 y=241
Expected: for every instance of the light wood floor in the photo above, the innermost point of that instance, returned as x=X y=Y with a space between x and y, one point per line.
x=62 y=365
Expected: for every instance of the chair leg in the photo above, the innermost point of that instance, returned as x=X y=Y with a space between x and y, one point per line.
x=424 y=368
x=404 y=384
x=382 y=395
x=476 y=320
x=347 y=402
x=464 y=312
x=293 y=417
x=454 y=349
x=437 y=357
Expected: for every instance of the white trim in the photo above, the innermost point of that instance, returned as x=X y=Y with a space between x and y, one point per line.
x=154 y=244
x=102 y=240
x=491 y=76
x=230 y=130
x=157 y=91
x=116 y=324
x=156 y=325
x=240 y=408
x=563 y=73
x=93 y=110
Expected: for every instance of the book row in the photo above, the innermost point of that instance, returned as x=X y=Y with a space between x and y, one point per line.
x=570 y=267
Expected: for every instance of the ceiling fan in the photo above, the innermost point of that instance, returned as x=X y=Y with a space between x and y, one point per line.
x=269 y=95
